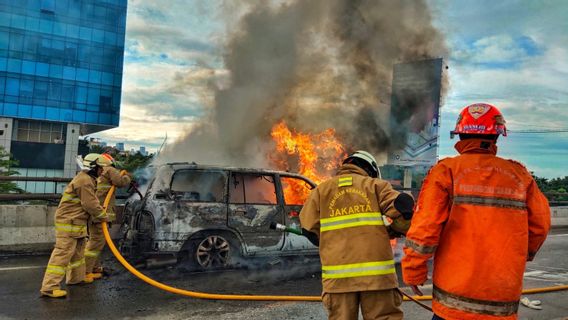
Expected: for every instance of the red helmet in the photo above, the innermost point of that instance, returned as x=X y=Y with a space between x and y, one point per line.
x=480 y=118
x=107 y=160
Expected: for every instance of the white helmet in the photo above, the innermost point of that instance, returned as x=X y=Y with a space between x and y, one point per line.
x=369 y=162
x=94 y=159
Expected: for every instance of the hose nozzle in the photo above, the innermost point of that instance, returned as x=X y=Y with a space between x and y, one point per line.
x=283 y=228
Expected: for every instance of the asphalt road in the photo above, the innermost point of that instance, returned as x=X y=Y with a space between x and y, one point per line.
x=122 y=296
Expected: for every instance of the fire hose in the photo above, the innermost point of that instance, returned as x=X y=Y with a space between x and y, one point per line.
x=214 y=296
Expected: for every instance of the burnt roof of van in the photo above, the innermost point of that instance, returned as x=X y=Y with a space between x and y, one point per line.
x=193 y=165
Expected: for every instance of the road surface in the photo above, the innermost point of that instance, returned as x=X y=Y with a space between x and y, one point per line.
x=122 y=296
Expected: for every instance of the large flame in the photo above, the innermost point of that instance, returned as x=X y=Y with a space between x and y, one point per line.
x=315 y=156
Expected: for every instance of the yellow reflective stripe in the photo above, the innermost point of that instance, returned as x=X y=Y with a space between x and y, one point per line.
x=92 y=254
x=54 y=269
x=103 y=186
x=351 y=216
x=69 y=227
x=76 y=264
x=358 y=269
x=352 y=220
x=102 y=215
x=69 y=197
x=345 y=181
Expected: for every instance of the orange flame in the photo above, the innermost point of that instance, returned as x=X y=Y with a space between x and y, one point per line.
x=315 y=156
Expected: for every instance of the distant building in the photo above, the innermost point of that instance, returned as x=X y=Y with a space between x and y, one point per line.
x=120 y=146
x=143 y=151
x=60 y=78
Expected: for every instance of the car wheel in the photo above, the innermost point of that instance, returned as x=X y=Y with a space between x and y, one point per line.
x=214 y=252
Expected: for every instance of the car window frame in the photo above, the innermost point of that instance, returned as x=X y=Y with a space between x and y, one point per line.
x=224 y=197
x=259 y=173
x=293 y=176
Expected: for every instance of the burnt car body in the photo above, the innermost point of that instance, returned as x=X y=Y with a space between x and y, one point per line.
x=213 y=216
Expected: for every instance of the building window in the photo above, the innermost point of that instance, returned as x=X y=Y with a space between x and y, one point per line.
x=39 y=131
x=48 y=6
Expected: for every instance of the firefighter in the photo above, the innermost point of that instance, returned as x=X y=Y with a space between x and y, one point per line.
x=349 y=213
x=109 y=177
x=78 y=203
x=481 y=217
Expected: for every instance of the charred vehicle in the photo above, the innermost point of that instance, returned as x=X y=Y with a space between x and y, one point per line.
x=211 y=217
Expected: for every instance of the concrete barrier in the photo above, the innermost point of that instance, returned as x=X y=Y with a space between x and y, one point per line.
x=559 y=216
x=29 y=228
x=559 y=212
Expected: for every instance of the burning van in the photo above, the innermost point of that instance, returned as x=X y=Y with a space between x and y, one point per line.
x=210 y=217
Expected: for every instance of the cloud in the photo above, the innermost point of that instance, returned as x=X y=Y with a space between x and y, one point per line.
x=182 y=30
x=139 y=127
x=515 y=57
x=501 y=52
x=497 y=51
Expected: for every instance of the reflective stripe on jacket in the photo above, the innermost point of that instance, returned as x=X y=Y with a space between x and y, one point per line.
x=77 y=204
x=110 y=176
x=346 y=213
x=483 y=217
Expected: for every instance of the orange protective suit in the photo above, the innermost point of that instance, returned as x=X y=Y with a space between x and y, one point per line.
x=482 y=217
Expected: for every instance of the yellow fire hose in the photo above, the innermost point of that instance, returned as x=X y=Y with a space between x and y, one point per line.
x=214 y=296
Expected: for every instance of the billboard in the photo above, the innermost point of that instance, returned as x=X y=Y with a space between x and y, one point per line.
x=415 y=112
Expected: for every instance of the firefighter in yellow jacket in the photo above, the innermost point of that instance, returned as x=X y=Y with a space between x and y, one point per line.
x=109 y=177
x=350 y=214
x=78 y=203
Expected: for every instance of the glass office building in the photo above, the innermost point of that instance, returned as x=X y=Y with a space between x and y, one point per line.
x=60 y=76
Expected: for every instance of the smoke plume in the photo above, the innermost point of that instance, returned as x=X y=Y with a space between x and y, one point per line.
x=315 y=64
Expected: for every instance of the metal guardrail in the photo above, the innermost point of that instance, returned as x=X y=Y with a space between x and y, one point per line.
x=37 y=179
x=39 y=196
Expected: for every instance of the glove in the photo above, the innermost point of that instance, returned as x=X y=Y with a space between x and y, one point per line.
x=534 y=304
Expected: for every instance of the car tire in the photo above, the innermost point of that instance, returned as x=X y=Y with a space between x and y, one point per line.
x=214 y=251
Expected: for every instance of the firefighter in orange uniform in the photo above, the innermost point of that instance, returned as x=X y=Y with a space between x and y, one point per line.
x=483 y=217
x=349 y=214
x=109 y=177
x=78 y=203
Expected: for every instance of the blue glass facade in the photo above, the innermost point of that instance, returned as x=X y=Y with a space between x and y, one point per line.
x=61 y=60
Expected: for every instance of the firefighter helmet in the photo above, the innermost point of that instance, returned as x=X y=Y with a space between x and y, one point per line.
x=107 y=160
x=480 y=118
x=94 y=159
x=365 y=161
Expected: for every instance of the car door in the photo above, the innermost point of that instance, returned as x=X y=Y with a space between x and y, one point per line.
x=253 y=206
x=199 y=202
x=295 y=191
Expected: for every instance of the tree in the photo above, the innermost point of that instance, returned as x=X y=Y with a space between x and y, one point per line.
x=95 y=148
x=132 y=162
x=555 y=189
x=6 y=169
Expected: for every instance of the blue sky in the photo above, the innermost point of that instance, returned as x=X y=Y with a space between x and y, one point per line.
x=513 y=54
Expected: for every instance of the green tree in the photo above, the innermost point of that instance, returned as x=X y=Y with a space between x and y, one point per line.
x=132 y=162
x=97 y=149
x=6 y=169
x=555 y=189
